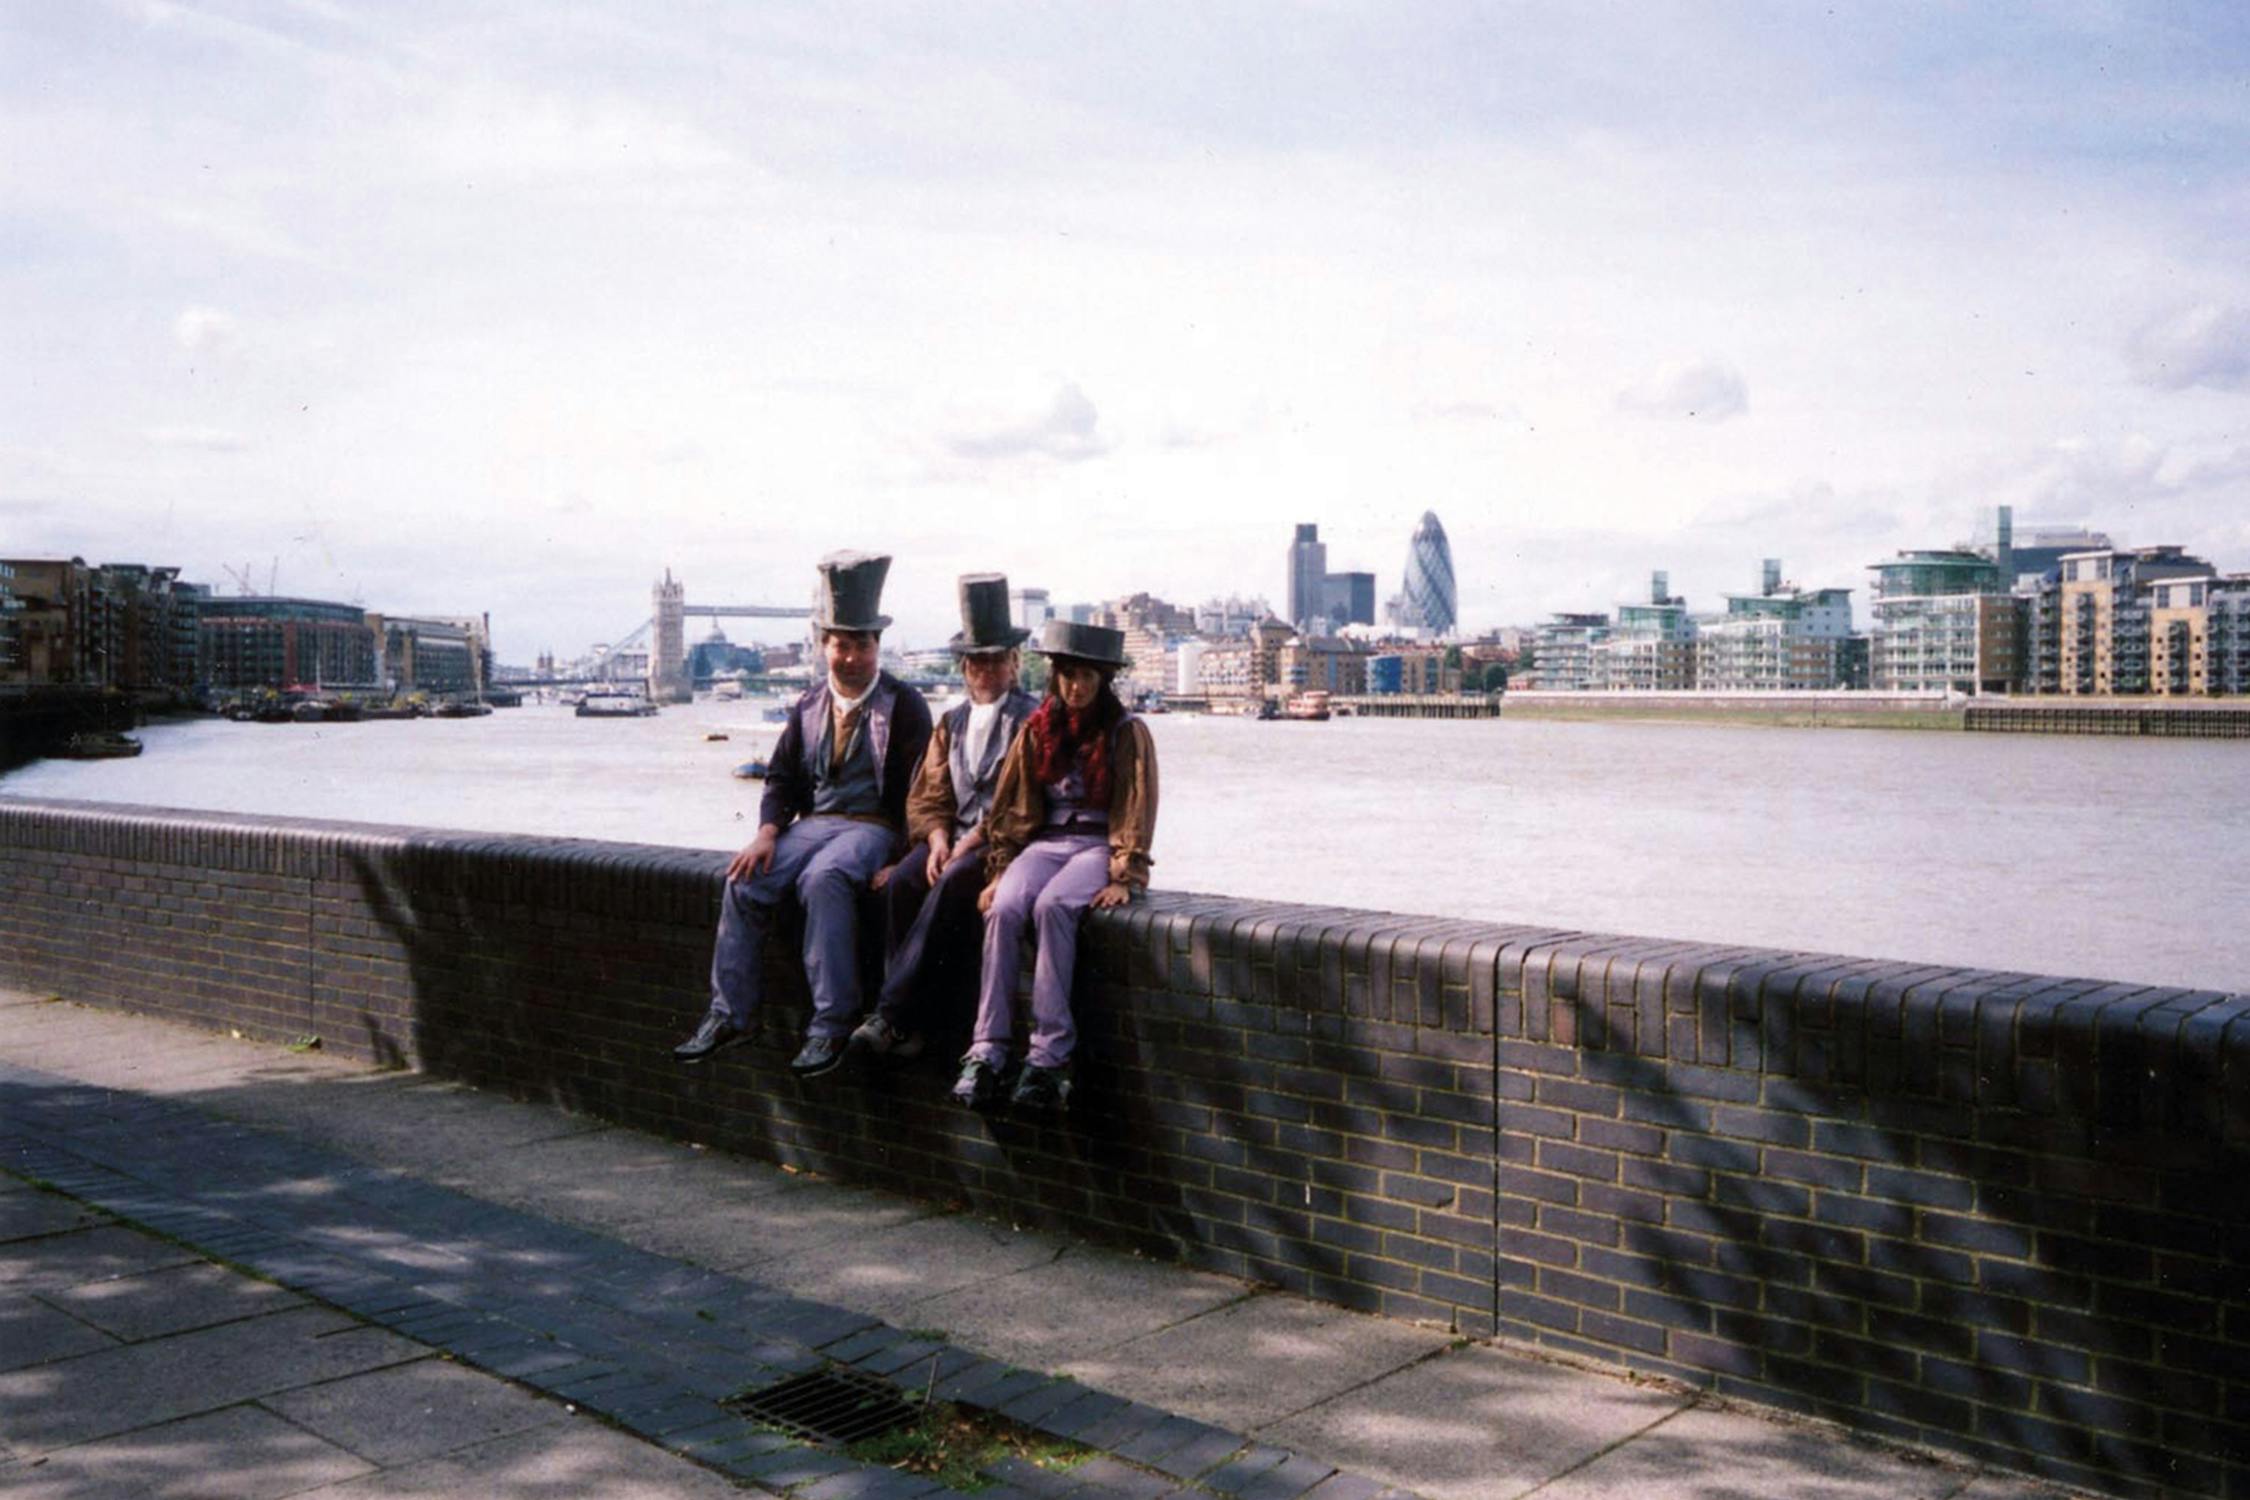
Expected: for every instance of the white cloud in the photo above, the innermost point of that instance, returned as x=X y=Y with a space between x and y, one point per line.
x=2206 y=345
x=489 y=133
x=198 y=439
x=206 y=330
x=1063 y=431
x=1706 y=391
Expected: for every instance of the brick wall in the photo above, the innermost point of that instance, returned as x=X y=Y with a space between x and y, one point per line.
x=1998 y=1213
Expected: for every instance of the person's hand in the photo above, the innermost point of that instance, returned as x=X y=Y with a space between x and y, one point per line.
x=1116 y=893
x=881 y=878
x=984 y=899
x=941 y=853
x=756 y=855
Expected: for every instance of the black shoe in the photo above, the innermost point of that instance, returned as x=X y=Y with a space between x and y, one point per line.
x=716 y=1034
x=880 y=1037
x=978 y=1086
x=1041 y=1090
x=820 y=1054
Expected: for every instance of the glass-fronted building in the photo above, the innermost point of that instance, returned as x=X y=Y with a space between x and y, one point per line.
x=1944 y=622
x=1429 y=601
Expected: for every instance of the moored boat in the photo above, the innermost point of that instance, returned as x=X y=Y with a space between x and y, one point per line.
x=99 y=744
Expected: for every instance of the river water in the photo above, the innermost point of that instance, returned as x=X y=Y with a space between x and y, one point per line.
x=2113 y=858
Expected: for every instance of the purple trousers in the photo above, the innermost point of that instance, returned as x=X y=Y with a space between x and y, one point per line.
x=1047 y=889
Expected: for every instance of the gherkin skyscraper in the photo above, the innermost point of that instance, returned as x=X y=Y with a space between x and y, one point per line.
x=1429 y=600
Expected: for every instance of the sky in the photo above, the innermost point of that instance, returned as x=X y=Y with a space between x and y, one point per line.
x=508 y=308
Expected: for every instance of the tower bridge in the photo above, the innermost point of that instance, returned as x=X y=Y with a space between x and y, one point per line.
x=667 y=651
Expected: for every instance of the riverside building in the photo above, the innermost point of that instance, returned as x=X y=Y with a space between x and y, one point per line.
x=2099 y=617
x=266 y=642
x=1944 y=622
x=1650 y=647
x=1781 y=638
x=1562 y=653
x=125 y=627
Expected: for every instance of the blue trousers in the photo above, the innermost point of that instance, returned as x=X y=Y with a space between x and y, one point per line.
x=825 y=863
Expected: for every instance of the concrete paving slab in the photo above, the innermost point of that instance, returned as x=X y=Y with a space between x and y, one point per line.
x=414 y=1411
x=81 y=1042
x=30 y=1214
x=744 y=1236
x=1112 y=1298
x=83 y=1256
x=580 y=1460
x=1257 y=1361
x=605 y=1178
x=1991 y=1486
x=32 y=1333
x=135 y=1385
x=891 y=1271
x=401 y=1119
x=1476 y=1422
x=1712 y=1454
x=173 y=1300
x=241 y=1453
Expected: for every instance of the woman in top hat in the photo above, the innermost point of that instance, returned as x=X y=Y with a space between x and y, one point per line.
x=1070 y=827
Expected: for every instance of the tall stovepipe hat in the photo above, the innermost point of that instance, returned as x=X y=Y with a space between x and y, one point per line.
x=985 y=625
x=851 y=592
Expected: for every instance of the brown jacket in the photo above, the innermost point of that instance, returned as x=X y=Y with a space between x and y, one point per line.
x=931 y=804
x=1019 y=806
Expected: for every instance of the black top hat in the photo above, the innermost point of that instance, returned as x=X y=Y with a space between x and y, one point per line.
x=851 y=592
x=985 y=625
x=1098 y=644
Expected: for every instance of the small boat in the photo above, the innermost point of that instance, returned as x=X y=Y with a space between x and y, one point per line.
x=778 y=714
x=726 y=690
x=466 y=709
x=614 y=704
x=1311 y=704
x=99 y=744
x=715 y=735
x=751 y=770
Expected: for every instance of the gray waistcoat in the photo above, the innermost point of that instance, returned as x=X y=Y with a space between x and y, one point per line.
x=857 y=787
x=973 y=784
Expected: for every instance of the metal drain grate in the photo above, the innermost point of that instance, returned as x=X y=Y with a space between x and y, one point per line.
x=828 y=1406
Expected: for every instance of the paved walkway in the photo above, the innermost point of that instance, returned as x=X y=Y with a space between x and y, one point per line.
x=453 y=1294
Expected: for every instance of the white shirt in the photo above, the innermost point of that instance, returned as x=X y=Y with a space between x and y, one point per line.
x=984 y=721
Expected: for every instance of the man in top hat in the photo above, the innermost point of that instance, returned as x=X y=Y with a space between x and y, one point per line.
x=833 y=814
x=930 y=896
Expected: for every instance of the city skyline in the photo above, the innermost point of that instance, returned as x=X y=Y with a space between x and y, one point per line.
x=443 y=307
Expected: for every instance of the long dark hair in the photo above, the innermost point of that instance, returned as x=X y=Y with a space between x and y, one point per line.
x=1061 y=739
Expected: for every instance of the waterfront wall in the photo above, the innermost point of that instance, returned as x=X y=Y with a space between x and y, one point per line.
x=1855 y=709
x=1997 y=1213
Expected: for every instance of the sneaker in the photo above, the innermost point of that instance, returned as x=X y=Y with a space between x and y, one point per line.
x=878 y=1036
x=978 y=1086
x=1041 y=1090
x=715 y=1035
x=820 y=1054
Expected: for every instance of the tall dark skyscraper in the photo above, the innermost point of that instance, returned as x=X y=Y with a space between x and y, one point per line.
x=1308 y=576
x=1429 y=601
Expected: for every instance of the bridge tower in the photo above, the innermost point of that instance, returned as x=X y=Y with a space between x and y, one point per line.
x=667 y=647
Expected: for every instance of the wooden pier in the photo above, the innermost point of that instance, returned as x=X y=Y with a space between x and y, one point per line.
x=2161 y=718
x=1418 y=705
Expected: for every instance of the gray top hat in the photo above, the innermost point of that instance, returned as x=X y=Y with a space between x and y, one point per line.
x=851 y=591
x=1098 y=644
x=985 y=625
